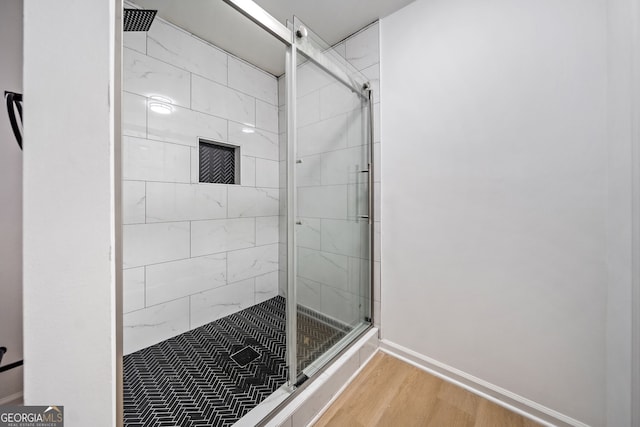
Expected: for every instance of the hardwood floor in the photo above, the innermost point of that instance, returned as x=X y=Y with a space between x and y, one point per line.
x=390 y=392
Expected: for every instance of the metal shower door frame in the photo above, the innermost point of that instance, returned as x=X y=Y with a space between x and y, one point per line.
x=295 y=45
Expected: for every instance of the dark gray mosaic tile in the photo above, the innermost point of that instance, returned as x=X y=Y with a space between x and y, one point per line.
x=191 y=379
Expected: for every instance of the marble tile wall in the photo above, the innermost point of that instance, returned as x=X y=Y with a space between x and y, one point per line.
x=195 y=252
x=332 y=245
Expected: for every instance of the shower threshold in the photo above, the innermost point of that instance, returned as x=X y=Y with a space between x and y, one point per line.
x=191 y=379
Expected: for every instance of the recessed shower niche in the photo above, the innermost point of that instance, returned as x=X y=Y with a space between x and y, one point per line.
x=247 y=215
x=218 y=163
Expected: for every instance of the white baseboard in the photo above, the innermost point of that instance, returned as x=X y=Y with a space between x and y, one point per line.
x=12 y=398
x=516 y=403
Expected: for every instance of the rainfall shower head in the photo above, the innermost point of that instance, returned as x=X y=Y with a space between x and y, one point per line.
x=138 y=19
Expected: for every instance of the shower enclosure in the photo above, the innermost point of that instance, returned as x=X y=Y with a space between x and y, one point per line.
x=248 y=216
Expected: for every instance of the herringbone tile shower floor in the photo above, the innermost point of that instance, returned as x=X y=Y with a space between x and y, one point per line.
x=191 y=380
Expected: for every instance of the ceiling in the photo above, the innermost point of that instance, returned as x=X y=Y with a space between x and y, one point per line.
x=220 y=24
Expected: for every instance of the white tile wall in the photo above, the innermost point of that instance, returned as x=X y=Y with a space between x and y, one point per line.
x=324 y=267
x=209 y=237
x=309 y=172
x=133 y=289
x=220 y=302
x=248 y=171
x=340 y=49
x=135 y=40
x=267 y=173
x=309 y=233
x=359 y=273
x=340 y=305
x=363 y=49
x=308 y=110
x=178 y=279
x=337 y=99
x=167 y=201
x=193 y=250
x=219 y=100
x=259 y=143
x=185 y=126
x=133 y=202
x=323 y=202
x=248 y=79
x=311 y=78
x=323 y=136
x=177 y=47
x=344 y=166
x=345 y=237
x=149 y=77
x=267 y=230
x=309 y=293
x=148 y=160
x=252 y=262
x=151 y=325
x=251 y=202
x=266 y=116
x=266 y=286
x=145 y=244
x=356 y=131
x=134 y=115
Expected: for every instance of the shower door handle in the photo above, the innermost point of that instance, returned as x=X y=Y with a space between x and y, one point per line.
x=369 y=194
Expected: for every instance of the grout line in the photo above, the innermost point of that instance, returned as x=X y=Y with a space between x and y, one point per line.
x=223 y=140
x=255 y=172
x=207 y=78
x=144 y=275
x=226 y=267
x=191 y=109
x=255 y=112
x=350 y=219
x=145 y=202
x=215 y=47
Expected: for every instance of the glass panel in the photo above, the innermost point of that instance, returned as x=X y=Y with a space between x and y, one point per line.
x=332 y=189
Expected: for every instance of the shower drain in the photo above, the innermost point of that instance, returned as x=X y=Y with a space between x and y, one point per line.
x=245 y=356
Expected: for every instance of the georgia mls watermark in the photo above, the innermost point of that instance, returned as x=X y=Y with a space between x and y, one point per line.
x=31 y=416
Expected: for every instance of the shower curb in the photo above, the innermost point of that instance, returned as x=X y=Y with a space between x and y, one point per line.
x=318 y=396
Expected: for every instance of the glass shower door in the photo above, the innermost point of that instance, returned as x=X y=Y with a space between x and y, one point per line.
x=332 y=203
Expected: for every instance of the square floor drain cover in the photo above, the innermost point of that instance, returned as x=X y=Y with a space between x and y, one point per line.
x=245 y=356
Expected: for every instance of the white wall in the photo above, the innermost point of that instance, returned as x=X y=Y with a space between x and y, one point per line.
x=11 y=196
x=71 y=237
x=494 y=194
x=194 y=252
x=620 y=44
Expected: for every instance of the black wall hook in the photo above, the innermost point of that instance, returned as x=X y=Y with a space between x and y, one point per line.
x=14 y=101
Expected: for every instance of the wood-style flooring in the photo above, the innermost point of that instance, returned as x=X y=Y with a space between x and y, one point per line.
x=390 y=392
